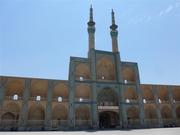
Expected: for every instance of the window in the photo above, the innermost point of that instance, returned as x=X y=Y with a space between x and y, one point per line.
x=38 y=98
x=81 y=78
x=127 y=101
x=80 y=99
x=144 y=101
x=15 y=97
x=159 y=101
x=59 y=99
x=125 y=81
x=103 y=77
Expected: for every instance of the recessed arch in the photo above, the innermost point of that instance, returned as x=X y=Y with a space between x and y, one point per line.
x=60 y=90
x=178 y=112
x=60 y=112
x=36 y=112
x=147 y=92
x=128 y=74
x=83 y=91
x=82 y=70
x=150 y=111
x=39 y=88
x=15 y=86
x=132 y=113
x=130 y=93
x=166 y=112
x=107 y=97
x=82 y=112
x=105 y=69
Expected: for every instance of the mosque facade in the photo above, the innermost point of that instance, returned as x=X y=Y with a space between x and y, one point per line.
x=101 y=92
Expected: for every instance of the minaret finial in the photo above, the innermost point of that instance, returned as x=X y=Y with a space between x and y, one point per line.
x=113 y=26
x=91 y=22
x=113 y=18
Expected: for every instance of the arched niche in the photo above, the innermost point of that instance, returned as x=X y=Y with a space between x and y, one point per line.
x=82 y=112
x=178 y=112
x=83 y=91
x=61 y=90
x=166 y=112
x=60 y=112
x=107 y=97
x=39 y=88
x=82 y=70
x=150 y=111
x=147 y=92
x=176 y=93
x=36 y=112
x=11 y=110
x=163 y=93
x=105 y=69
x=132 y=113
x=129 y=74
x=14 y=86
x=130 y=93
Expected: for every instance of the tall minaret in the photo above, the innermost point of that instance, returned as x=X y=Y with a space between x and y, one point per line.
x=91 y=29
x=114 y=33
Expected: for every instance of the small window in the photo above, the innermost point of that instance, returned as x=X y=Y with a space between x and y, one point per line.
x=15 y=97
x=38 y=98
x=174 y=101
x=81 y=78
x=80 y=99
x=103 y=77
x=144 y=101
x=160 y=101
x=127 y=101
x=125 y=81
x=59 y=99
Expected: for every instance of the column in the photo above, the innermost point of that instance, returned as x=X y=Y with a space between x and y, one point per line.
x=24 y=113
x=49 y=106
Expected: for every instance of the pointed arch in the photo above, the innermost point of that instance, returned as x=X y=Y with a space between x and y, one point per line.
x=36 y=112
x=82 y=70
x=107 y=97
x=105 y=68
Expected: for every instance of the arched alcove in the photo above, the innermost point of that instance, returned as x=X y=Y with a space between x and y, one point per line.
x=130 y=93
x=105 y=69
x=82 y=70
x=60 y=90
x=83 y=91
x=107 y=97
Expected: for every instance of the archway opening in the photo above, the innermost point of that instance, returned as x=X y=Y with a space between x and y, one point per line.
x=108 y=119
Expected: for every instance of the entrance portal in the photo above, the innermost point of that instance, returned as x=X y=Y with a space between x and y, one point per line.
x=108 y=119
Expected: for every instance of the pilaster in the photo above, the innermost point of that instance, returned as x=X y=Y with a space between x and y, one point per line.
x=48 y=113
x=158 y=111
x=71 y=116
x=170 y=95
x=24 y=113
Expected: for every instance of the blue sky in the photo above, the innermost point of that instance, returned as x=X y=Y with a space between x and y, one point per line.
x=37 y=37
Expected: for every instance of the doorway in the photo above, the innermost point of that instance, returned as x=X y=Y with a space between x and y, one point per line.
x=108 y=119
